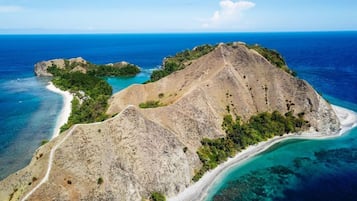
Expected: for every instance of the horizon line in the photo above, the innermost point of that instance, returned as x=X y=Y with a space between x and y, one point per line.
x=192 y=32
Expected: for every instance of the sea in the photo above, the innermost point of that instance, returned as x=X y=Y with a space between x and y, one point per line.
x=291 y=170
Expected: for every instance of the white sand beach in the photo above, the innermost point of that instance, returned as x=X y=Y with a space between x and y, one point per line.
x=66 y=109
x=347 y=118
x=200 y=189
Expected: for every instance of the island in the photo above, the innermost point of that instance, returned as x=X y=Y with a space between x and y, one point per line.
x=206 y=109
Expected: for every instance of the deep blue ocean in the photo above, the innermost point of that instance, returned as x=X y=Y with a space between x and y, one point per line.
x=292 y=170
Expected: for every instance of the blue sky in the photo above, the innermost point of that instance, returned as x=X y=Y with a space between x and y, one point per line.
x=140 y=16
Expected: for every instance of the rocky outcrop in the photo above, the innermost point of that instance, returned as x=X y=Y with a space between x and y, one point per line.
x=140 y=151
x=78 y=64
x=71 y=65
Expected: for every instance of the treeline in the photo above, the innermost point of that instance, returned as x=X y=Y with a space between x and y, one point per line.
x=177 y=62
x=273 y=57
x=240 y=135
x=114 y=71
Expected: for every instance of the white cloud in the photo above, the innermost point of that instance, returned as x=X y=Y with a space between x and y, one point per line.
x=230 y=12
x=10 y=9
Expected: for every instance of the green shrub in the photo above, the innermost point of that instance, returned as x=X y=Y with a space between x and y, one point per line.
x=100 y=180
x=156 y=196
x=185 y=149
x=43 y=142
x=161 y=95
x=150 y=104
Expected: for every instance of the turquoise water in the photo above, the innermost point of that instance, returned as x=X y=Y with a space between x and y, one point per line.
x=122 y=83
x=296 y=170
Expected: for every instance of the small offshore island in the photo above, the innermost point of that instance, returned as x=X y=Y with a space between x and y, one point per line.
x=155 y=140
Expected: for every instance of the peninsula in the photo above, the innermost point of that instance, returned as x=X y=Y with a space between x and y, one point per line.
x=84 y=81
x=160 y=134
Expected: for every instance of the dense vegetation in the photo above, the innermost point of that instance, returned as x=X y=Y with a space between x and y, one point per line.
x=240 y=134
x=115 y=70
x=178 y=62
x=90 y=90
x=91 y=96
x=156 y=196
x=273 y=57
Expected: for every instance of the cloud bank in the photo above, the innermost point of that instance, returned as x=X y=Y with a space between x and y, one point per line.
x=230 y=12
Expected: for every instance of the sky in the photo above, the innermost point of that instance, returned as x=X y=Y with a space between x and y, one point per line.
x=157 y=16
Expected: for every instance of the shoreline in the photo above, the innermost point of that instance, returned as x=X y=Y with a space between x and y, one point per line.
x=66 y=108
x=200 y=189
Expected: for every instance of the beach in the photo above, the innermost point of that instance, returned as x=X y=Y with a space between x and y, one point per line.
x=200 y=189
x=66 y=108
